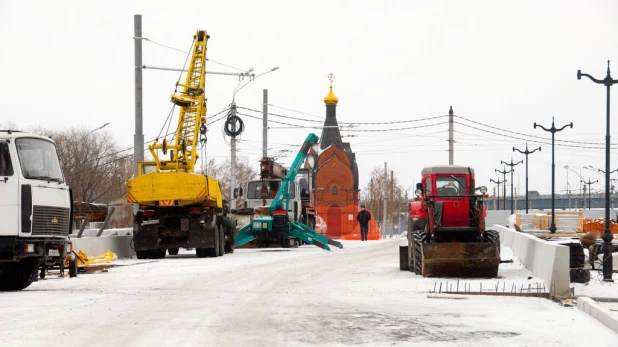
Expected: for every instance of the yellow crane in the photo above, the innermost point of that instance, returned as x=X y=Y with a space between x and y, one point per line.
x=179 y=208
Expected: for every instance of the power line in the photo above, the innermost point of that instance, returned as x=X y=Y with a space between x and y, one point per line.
x=521 y=134
x=185 y=52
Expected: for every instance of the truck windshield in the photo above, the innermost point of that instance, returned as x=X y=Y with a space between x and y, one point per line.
x=266 y=189
x=38 y=159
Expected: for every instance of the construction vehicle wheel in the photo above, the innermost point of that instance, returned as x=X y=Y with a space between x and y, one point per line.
x=172 y=251
x=221 y=241
x=201 y=252
x=420 y=237
x=17 y=276
x=494 y=237
x=73 y=266
x=141 y=254
x=214 y=252
x=229 y=244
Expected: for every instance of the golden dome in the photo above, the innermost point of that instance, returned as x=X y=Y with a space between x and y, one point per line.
x=331 y=98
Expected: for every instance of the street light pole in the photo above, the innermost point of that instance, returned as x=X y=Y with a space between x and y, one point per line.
x=526 y=152
x=553 y=130
x=503 y=172
x=233 y=127
x=512 y=170
x=607 y=235
x=589 y=183
x=498 y=182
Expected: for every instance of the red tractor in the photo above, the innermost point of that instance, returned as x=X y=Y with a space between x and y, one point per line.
x=446 y=232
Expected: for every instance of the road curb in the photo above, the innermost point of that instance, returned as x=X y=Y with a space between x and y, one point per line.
x=598 y=312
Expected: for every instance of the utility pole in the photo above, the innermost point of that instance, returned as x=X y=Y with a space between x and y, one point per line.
x=526 y=152
x=589 y=183
x=553 y=130
x=233 y=127
x=504 y=172
x=264 y=123
x=138 y=137
x=384 y=201
x=451 y=139
x=511 y=170
x=498 y=182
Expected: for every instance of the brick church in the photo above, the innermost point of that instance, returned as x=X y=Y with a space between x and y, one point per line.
x=336 y=192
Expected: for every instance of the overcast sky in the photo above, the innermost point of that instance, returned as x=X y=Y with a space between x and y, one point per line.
x=501 y=65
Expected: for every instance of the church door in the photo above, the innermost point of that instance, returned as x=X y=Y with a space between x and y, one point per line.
x=334 y=221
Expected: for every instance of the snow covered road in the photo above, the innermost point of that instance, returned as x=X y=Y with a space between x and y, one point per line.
x=283 y=297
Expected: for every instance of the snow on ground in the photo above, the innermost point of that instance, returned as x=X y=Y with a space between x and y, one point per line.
x=285 y=297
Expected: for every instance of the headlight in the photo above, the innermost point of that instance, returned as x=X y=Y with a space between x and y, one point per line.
x=483 y=189
x=418 y=192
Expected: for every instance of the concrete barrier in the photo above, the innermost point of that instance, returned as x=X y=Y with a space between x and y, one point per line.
x=598 y=312
x=546 y=260
x=93 y=246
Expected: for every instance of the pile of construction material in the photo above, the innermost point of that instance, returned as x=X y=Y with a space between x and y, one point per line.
x=565 y=221
x=598 y=224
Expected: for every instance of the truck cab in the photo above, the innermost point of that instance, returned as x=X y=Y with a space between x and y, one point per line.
x=35 y=209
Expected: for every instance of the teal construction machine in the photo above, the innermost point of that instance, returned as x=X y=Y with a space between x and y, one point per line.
x=275 y=226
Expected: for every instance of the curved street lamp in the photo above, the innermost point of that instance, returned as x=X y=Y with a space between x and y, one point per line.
x=526 y=152
x=234 y=127
x=607 y=234
x=553 y=130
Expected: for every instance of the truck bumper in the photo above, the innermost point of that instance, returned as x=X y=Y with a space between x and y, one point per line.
x=14 y=248
x=152 y=237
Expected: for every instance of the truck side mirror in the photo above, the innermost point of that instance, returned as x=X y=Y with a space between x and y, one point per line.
x=237 y=192
x=419 y=185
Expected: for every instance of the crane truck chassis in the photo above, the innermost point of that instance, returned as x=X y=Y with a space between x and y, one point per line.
x=35 y=210
x=446 y=229
x=179 y=208
x=275 y=226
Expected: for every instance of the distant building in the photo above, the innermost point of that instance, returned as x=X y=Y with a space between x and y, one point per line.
x=336 y=192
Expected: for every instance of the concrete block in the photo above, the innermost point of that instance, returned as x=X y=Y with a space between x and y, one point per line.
x=93 y=246
x=546 y=260
x=598 y=312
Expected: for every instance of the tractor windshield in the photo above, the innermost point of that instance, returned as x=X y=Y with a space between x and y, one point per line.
x=450 y=186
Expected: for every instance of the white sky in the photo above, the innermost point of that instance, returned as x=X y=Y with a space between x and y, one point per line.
x=503 y=64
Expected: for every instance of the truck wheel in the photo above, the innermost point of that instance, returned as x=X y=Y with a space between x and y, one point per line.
x=172 y=251
x=141 y=254
x=201 y=252
x=221 y=241
x=73 y=266
x=214 y=252
x=20 y=275
x=229 y=243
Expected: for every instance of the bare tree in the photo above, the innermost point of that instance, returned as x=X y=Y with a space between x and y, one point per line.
x=374 y=194
x=221 y=172
x=93 y=165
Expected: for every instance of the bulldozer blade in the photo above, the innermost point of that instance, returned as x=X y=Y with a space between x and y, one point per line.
x=466 y=260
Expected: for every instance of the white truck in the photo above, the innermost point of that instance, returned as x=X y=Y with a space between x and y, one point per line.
x=35 y=210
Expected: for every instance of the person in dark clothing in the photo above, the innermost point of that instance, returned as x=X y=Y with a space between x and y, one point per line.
x=363 y=217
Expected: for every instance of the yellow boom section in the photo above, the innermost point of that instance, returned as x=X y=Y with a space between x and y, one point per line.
x=192 y=103
x=172 y=182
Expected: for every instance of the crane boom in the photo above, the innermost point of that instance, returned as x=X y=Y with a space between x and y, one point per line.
x=283 y=192
x=192 y=103
x=171 y=182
